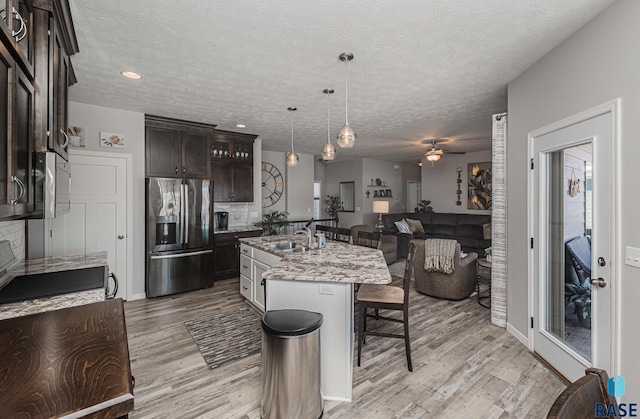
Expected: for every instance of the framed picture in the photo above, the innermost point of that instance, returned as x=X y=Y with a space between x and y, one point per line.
x=111 y=140
x=387 y=193
x=382 y=193
x=480 y=186
x=76 y=136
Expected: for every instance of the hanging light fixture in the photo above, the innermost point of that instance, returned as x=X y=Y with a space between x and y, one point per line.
x=346 y=135
x=328 y=151
x=292 y=157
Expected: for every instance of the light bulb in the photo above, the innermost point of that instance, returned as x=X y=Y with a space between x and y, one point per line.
x=328 y=152
x=346 y=136
x=292 y=159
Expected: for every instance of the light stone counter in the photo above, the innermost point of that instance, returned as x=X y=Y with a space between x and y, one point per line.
x=337 y=262
x=49 y=265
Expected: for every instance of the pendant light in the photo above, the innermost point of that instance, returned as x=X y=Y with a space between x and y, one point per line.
x=328 y=151
x=292 y=157
x=346 y=135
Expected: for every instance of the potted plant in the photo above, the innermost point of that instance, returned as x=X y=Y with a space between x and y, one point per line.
x=423 y=206
x=273 y=222
x=333 y=206
x=580 y=296
x=487 y=253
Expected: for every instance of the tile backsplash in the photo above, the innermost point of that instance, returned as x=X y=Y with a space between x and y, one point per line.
x=14 y=232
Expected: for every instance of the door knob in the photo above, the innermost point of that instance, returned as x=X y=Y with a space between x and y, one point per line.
x=120 y=236
x=599 y=282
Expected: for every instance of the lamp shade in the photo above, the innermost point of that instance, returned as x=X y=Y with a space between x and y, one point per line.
x=433 y=157
x=381 y=207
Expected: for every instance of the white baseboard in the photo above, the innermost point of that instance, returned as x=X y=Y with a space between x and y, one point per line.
x=140 y=296
x=522 y=338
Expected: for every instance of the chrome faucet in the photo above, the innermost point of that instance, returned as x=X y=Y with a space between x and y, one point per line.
x=307 y=232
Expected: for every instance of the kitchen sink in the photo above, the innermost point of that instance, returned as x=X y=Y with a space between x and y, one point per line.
x=286 y=245
x=294 y=250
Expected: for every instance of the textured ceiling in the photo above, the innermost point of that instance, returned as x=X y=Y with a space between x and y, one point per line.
x=435 y=69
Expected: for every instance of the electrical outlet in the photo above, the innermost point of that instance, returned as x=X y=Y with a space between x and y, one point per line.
x=326 y=289
x=254 y=214
x=632 y=256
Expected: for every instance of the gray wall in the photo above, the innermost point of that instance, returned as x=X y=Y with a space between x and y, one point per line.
x=598 y=63
x=276 y=158
x=575 y=160
x=391 y=174
x=300 y=188
x=14 y=232
x=439 y=181
x=346 y=171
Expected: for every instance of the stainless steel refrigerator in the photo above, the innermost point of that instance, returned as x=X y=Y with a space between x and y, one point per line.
x=179 y=215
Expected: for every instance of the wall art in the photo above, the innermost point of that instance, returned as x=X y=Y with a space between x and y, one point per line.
x=480 y=196
x=111 y=140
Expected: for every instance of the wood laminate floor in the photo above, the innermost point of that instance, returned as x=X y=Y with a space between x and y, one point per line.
x=464 y=367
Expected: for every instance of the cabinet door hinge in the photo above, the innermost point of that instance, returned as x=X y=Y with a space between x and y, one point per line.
x=532 y=322
x=531 y=164
x=532 y=242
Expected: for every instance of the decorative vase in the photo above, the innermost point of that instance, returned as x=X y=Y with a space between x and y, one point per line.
x=488 y=257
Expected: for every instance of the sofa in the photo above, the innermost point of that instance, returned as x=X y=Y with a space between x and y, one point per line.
x=388 y=242
x=456 y=286
x=466 y=229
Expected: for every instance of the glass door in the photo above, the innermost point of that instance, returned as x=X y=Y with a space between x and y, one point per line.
x=572 y=254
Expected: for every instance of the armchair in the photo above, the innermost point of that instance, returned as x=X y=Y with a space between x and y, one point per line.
x=457 y=286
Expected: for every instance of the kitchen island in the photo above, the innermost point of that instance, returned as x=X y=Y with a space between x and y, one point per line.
x=321 y=280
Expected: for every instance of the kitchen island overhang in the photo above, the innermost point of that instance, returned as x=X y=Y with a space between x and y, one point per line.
x=322 y=280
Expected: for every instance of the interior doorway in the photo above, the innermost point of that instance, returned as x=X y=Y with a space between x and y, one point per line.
x=413 y=194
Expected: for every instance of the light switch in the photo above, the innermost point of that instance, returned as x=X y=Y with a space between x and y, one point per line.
x=254 y=214
x=632 y=256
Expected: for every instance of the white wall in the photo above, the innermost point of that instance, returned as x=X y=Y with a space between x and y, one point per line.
x=130 y=124
x=345 y=171
x=391 y=174
x=14 y=232
x=300 y=188
x=439 y=181
x=595 y=65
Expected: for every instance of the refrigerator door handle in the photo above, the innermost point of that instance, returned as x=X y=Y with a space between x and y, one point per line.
x=186 y=214
x=182 y=255
x=182 y=207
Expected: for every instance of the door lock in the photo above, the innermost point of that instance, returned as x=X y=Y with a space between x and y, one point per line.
x=120 y=236
x=599 y=282
x=601 y=261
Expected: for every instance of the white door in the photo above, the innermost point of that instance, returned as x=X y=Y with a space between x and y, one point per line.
x=572 y=196
x=97 y=221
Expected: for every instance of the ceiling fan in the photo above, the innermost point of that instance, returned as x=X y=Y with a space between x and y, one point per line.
x=434 y=154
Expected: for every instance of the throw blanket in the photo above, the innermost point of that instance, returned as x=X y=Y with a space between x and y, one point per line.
x=439 y=254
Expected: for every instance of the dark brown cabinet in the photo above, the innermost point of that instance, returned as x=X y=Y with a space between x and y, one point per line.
x=177 y=148
x=231 y=155
x=54 y=42
x=226 y=253
x=16 y=137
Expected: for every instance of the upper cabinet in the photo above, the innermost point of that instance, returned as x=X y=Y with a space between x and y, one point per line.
x=232 y=166
x=36 y=40
x=177 y=148
x=54 y=42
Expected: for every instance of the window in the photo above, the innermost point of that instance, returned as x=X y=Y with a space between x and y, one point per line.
x=316 y=200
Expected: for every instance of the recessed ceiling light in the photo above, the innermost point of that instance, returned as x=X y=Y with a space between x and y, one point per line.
x=131 y=75
x=241 y=126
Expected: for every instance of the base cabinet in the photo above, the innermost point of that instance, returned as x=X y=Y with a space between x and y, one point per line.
x=227 y=253
x=253 y=263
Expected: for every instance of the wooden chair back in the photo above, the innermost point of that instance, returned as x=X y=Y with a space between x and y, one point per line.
x=368 y=239
x=341 y=234
x=580 y=398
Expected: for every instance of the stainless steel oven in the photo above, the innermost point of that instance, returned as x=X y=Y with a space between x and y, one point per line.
x=52 y=185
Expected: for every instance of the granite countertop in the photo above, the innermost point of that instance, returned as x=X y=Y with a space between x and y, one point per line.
x=337 y=262
x=57 y=264
x=237 y=229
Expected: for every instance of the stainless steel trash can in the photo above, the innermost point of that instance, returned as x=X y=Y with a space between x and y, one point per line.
x=291 y=365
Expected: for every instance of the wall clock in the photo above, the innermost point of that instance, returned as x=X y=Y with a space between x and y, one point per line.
x=272 y=184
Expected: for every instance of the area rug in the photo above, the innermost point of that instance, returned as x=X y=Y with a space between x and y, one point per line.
x=227 y=336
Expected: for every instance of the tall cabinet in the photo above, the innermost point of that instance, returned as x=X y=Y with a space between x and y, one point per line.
x=36 y=40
